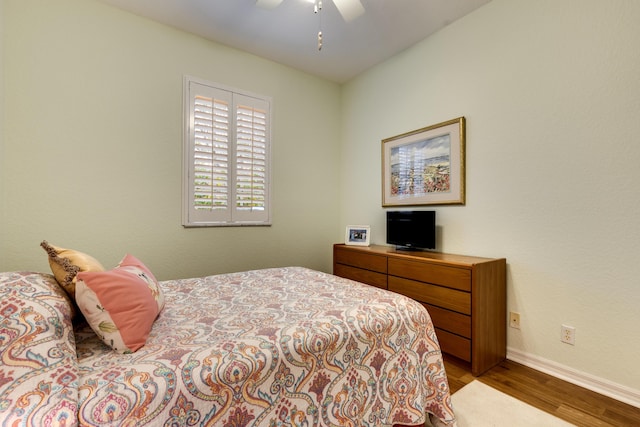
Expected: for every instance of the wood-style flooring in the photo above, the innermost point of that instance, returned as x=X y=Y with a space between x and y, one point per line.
x=569 y=402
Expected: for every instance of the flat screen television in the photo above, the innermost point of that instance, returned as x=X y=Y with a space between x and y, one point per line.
x=412 y=229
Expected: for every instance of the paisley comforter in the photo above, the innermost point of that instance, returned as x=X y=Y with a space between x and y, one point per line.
x=276 y=347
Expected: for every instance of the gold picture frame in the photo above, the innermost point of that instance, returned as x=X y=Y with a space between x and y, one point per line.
x=425 y=166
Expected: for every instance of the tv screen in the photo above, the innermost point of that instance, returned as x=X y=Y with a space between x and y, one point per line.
x=411 y=229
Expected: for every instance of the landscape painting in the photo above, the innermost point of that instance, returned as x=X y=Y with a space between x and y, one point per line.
x=425 y=166
x=421 y=167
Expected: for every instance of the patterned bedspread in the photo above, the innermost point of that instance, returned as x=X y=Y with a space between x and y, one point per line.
x=276 y=347
x=39 y=370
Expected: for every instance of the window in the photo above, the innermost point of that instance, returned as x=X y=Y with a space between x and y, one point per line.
x=226 y=156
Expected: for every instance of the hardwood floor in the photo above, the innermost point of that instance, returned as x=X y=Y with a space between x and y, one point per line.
x=569 y=402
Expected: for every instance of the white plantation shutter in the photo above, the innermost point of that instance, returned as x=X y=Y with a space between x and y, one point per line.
x=211 y=153
x=226 y=172
x=251 y=157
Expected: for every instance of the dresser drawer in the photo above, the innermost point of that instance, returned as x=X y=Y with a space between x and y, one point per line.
x=453 y=277
x=440 y=296
x=451 y=321
x=361 y=259
x=358 y=274
x=454 y=344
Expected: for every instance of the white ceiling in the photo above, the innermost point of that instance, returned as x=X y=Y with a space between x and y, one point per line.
x=287 y=34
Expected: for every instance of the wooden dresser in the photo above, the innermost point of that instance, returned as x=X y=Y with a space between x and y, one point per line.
x=465 y=295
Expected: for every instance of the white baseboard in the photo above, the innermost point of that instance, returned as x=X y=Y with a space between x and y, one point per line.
x=599 y=385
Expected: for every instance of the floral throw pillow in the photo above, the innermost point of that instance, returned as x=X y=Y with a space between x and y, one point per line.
x=121 y=304
x=66 y=263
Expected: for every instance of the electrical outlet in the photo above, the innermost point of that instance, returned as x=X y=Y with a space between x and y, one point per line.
x=568 y=334
x=514 y=319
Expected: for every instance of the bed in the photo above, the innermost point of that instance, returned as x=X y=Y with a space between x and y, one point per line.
x=273 y=347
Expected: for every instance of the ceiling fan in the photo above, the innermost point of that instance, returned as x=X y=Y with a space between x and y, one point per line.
x=349 y=9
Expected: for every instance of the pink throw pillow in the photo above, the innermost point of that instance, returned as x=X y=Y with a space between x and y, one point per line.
x=121 y=304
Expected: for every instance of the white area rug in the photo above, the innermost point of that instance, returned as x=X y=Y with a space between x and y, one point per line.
x=478 y=405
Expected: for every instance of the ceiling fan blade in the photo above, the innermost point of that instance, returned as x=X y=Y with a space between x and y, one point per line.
x=268 y=4
x=349 y=9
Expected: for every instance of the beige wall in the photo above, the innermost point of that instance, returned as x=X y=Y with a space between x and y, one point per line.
x=551 y=93
x=93 y=134
x=2 y=84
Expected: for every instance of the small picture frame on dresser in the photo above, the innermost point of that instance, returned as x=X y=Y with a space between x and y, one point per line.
x=357 y=235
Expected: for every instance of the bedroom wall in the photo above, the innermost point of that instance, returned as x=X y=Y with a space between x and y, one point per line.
x=551 y=93
x=93 y=145
x=2 y=204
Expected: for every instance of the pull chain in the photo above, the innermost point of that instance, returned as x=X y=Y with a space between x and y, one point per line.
x=317 y=8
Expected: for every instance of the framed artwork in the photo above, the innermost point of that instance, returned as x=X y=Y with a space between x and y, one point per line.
x=425 y=166
x=357 y=235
